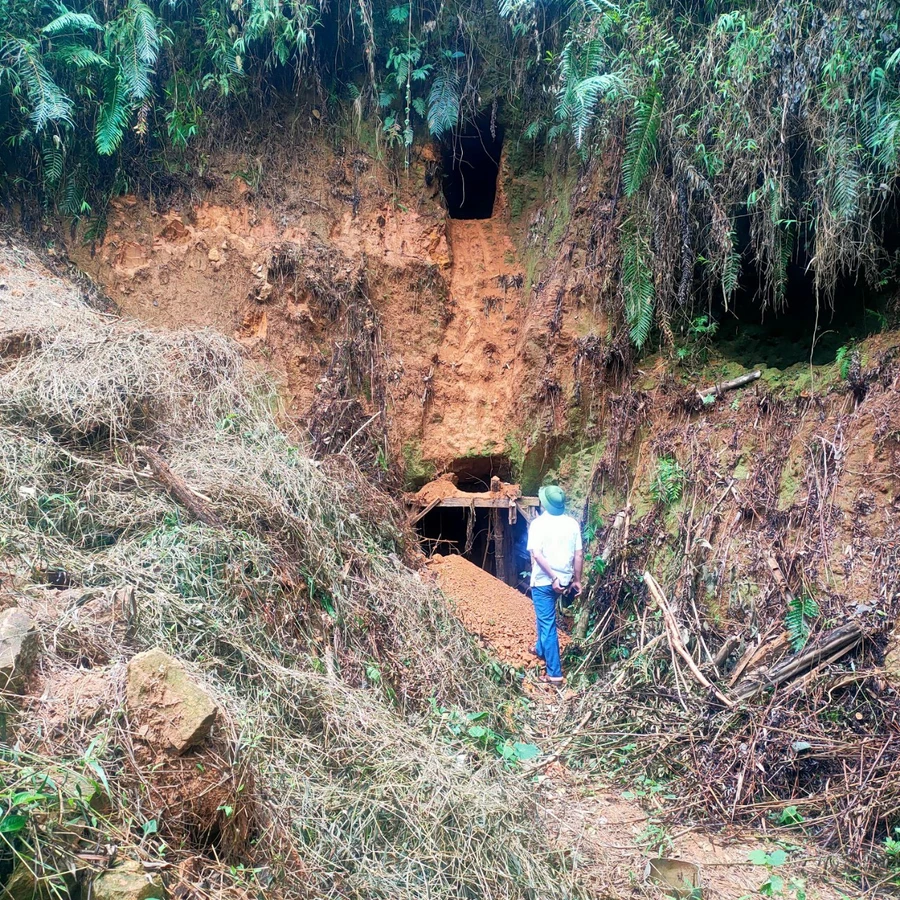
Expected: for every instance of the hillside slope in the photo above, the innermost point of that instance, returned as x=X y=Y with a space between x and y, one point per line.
x=149 y=502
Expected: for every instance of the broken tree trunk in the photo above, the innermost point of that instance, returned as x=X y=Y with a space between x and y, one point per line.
x=830 y=647
x=718 y=389
x=198 y=506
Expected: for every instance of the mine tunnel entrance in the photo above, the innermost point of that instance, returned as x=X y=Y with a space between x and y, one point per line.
x=471 y=163
x=475 y=522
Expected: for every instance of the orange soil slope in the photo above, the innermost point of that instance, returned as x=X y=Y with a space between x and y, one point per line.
x=498 y=614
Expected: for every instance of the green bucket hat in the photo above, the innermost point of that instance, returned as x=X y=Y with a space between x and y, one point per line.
x=553 y=499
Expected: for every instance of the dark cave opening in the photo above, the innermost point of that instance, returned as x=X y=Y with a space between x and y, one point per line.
x=468 y=531
x=471 y=163
x=804 y=327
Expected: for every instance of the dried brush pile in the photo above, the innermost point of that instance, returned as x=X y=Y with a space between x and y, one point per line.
x=323 y=647
x=754 y=687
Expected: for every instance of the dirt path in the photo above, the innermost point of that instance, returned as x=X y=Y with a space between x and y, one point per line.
x=498 y=614
x=610 y=837
x=610 y=832
x=473 y=377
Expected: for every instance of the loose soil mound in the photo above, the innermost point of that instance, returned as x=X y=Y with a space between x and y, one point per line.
x=497 y=613
x=444 y=487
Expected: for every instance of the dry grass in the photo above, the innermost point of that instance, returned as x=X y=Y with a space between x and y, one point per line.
x=325 y=649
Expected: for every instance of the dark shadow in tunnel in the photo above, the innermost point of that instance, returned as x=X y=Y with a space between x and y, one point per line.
x=471 y=163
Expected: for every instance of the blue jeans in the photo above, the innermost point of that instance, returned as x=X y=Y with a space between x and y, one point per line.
x=547 y=647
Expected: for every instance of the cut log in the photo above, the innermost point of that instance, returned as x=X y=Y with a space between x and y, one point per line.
x=718 y=389
x=830 y=647
x=199 y=507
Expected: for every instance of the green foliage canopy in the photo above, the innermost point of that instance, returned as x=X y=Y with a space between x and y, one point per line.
x=758 y=133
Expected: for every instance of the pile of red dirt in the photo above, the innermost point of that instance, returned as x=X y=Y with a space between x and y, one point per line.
x=445 y=486
x=500 y=615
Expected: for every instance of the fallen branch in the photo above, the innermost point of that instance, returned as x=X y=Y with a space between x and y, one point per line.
x=830 y=647
x=579 y=628
x=755 y=654
x=721 y=657
x=675 y=641
x=198 y=506
x=718 y=389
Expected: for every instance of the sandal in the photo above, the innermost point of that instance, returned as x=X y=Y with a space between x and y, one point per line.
x=546 y=679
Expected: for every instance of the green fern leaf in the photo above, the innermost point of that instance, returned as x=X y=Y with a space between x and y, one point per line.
x=68 y=22
x=637 y=285
x=53 y=163
x=640 y=145
x=443 y=103
x=399 y=15
x=47 y=100
x=78 y=56
x=113 y=118
x=800 y=611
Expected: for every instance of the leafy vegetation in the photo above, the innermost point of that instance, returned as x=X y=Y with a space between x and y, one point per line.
x=758 y=135
x=668 y=483
x=801 y=612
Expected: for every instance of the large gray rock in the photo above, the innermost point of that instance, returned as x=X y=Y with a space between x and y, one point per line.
x=127 y=881
x=18 y=648
x=167 y=707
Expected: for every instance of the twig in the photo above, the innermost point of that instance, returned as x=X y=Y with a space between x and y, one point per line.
x=675 y=640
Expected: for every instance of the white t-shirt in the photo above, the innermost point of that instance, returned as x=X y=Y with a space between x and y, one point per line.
x=557 y=539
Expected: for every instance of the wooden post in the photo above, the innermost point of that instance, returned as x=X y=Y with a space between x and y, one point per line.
x=499 y=551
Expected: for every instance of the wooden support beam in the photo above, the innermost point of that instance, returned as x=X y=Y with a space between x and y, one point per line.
x=499 y=551
x=461 y=501
x=424 y=511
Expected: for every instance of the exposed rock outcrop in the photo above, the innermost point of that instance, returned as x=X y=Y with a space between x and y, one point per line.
x=127 y=881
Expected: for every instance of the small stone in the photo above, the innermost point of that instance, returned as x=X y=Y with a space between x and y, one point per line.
x=18 y=648
x=127 y=881
x=213 y=255
x=168 y=707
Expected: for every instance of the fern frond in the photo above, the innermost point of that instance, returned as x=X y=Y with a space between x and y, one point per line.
x=146 y=35
x=443 y=103
x=113 y=118
x=640 y=145
x=800 y=611
x=587 y=94
x=138 y=46
x=77 y=55
x=52 y=155
x=398 y=14
x=69 y=22
x=48 y=101
x=637 y=285
x=844 y=179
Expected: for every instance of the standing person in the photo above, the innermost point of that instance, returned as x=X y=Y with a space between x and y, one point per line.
x=557 y=563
